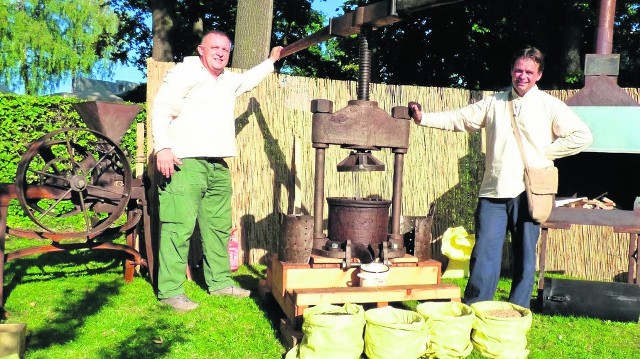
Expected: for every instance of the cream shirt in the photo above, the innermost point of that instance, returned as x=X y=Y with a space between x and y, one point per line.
x=193 y=112
x=548 y=127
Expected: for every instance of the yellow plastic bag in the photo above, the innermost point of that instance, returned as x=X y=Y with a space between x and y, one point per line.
x=392 y=333
x=457 y=245
x=330 y=331
x=449 y=325
x=500 y=329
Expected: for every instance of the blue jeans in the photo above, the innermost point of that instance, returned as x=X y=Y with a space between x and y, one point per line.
x=493 y=217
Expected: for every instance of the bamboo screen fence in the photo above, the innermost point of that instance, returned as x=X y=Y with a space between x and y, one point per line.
x=273 y=173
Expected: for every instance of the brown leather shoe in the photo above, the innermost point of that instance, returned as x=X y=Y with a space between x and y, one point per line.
x=180 y=303
x=232 y=290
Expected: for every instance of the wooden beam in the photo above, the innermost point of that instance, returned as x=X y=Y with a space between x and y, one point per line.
x=396 y=293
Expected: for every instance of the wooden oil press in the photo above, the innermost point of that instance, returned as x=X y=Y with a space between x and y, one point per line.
x=77 y=187
x=313 y=268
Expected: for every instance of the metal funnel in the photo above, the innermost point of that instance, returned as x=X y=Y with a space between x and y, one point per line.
x=600 y=83
x=359 y=161
x=109 y=118
x=601 y=69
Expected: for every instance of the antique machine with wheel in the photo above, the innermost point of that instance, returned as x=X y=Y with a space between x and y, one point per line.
x=77 y=187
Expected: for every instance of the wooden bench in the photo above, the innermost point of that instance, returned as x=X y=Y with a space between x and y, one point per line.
x=305 y=297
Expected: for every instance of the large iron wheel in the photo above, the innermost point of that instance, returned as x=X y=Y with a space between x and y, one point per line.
x=75 y=182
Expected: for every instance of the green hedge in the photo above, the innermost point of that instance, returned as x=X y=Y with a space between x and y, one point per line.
x=25 y=119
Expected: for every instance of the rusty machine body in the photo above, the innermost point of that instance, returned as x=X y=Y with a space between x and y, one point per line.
x=77 y=187
x=313 y=267
x=358 y=227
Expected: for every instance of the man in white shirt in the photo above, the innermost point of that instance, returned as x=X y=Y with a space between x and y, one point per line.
x=193 y=127
x=549 y=130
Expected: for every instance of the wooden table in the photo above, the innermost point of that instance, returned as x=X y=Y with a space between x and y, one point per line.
x=620 y=221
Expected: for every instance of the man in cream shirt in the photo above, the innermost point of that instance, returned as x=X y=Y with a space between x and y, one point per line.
x=549 y=130
x=193 y=127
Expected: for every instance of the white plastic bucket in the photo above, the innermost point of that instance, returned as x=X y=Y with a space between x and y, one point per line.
x=373 y=274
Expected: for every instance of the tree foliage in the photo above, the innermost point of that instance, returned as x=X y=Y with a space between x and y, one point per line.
x=294 y=20
x=134 y=39
x=469 y=44
x=43 y=42
x=291 y=21
x=464 y=44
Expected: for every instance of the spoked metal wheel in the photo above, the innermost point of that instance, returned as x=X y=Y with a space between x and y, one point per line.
x=75 y=182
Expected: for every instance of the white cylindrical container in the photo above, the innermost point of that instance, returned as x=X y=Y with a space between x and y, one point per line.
x=373 y=274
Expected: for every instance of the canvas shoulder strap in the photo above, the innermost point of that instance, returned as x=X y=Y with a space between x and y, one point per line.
x=516 y=132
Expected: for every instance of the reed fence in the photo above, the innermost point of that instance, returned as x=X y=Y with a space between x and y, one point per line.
x=273 y=173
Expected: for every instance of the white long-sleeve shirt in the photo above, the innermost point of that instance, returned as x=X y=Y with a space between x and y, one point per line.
x=193 y=112
x=548 y=127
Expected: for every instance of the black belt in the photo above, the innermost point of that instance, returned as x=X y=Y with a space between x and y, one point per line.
x=208 y=159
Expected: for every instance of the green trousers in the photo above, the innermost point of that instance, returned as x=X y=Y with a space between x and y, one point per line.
x=199 y=191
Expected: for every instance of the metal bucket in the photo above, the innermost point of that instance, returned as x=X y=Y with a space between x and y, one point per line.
x=297 y=239
x=416 y=231
x=363 y=221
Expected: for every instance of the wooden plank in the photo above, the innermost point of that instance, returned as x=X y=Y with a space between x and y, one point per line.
x=319 y=278
x=291 y=310
x=413 y=275
x=278 y=279
x=406 y=259
x=336 y=277
x=398 y=293
x=627 y=220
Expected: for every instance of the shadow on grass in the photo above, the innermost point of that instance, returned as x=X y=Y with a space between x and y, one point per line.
x=70 y=316
x=246 y=281
x=80 y=302
x=146 y=342
x=250 y=281
x=267 y=303
x=48 y=266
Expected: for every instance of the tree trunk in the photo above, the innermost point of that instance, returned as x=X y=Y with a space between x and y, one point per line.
x=572 y=39
x=253 y=33
x=162 y=25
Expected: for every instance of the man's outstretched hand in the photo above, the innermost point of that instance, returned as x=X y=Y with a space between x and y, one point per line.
x=415 y=112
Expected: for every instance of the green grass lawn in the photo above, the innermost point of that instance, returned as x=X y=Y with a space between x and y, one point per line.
x=76 y=305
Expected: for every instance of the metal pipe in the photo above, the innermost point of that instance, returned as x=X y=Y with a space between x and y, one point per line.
x=604 y=36
x=318 y=199
x=396 y=200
